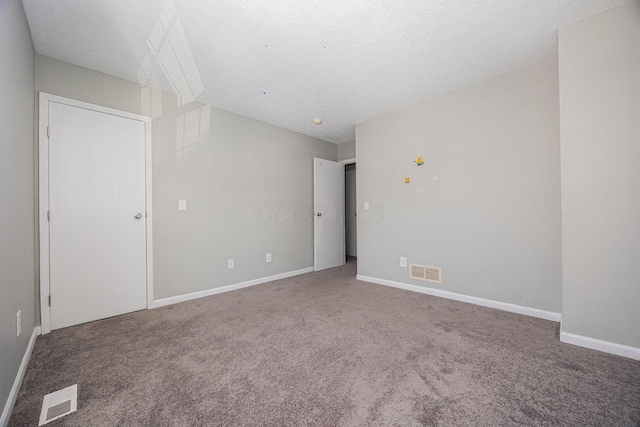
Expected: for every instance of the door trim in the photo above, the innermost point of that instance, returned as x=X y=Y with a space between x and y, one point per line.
x=43 y=195
x=348 y=161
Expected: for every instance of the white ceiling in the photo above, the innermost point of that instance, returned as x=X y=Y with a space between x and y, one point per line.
x=287 y=62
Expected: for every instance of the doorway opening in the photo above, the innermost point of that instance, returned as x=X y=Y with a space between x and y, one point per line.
x=351 y=213
x=335 y=214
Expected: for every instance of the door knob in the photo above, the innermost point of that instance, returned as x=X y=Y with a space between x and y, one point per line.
x=319 y=214
x=138 y=215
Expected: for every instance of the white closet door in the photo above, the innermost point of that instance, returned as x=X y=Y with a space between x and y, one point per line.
x=98 y=221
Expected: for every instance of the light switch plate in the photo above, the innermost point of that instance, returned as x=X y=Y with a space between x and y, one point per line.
x=230 y=263
x=182 y=205
x=366 y=205
x=19 y=322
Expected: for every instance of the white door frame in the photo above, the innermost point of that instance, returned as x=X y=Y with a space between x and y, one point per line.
x=43 y=157
x=348 y=161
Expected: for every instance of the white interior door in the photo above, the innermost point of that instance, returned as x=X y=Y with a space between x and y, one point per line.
x=97 y=230
x=328 y=208
x=351 y=211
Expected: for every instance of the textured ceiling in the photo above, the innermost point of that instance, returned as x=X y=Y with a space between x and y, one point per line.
x=287 y=62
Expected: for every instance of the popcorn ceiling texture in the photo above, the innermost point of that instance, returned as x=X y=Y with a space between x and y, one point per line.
x=286 y=61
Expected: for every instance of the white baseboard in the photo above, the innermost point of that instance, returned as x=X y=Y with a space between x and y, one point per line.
x=604 y=346
x=195 y=295
x=513 y=308
x=13 y=394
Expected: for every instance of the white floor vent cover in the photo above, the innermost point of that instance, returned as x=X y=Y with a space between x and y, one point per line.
x=58 y=404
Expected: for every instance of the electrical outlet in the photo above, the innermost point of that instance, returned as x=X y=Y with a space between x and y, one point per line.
x=230 y=263
x=182 y=205
x=19 y=322
x=403 y=262
x=268 y=257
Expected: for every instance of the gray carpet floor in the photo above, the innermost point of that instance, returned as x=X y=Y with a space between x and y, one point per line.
x=324 y=349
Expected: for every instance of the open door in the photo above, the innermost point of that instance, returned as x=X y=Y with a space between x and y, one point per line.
x=328 y=209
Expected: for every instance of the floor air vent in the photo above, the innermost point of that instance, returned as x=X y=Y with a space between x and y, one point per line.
x=427 y=274
x=58 y=404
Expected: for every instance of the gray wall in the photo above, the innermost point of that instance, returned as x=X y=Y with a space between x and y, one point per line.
x=17 y=214
x=600 y=144
x=347 y=150
x=491 y=220
x=248 y=184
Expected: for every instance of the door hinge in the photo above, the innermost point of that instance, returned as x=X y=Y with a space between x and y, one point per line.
x=48 y=133
x=49 y=300
x=48 y=216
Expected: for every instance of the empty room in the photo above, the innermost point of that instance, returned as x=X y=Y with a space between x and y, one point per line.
x=338 y=213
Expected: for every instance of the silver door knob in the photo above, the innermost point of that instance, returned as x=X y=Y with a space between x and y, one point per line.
x=319 y=214
x=138 y=215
